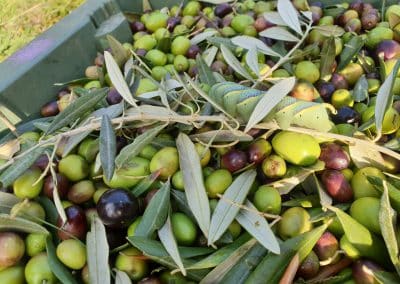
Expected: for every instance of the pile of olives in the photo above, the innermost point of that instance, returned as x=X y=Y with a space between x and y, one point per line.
x=162 y=41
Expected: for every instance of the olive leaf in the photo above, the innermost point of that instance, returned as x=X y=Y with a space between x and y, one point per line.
x=145 y=183
x=182 y=204
x=387 y=222
x=362 y=155
x=385 y=98
x=269 y=100
x=119 y=53
x=168 y=240
x=121 y=277
x=248 y=42
x=385 y=277
x=76 y=109
x=274 y=18
x=118 y=79
x=7 y=201
x=216 y=2
x=193 y=182
x=227 y=207
x=252 y=60
x=220 y=255
x=222 y=136
x=9 y=223
x=289 y=15
x=202 y=36
x=217 y=274
x=108 y=147
x=17 y=168
x=272 y=267
x=312 y=182
x=330 y=30
x=328 y=54
x=132 y=150
x=279 y=33
x=360 y=91
x=60 y=271
x=219 y=41
x=156 y=212
x=257 y=226
x=205 y=72
x=351 y=49
x=232 y=61
x=209 y=55
x=23 y=127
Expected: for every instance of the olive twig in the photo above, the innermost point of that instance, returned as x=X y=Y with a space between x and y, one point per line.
x=8 y=123
x=291 y=270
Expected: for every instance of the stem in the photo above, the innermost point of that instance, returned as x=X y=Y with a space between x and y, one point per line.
x=291 y=270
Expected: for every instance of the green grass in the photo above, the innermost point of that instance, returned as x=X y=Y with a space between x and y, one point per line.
x=22 y=20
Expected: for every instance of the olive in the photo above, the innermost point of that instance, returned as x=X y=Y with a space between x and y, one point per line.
x=327 y=246
x=308 y=71
x=360 y=184
x=181 y=63
x=309 y=267
x=156 y=20
x=217 y=182
x=129 y=261
x=350 y=250
x=250 y=31
x=30 y=210
x=12 y=249
x=346 y=115
x=172 y=23
x=81 y=191
x=72 y=253
x=132 y=227
x=294 y=222
x=42 y=162
x=357 y=5
x=317 y=13
x=141 y=52
x=258 y=150
x=118 y=208
x=85 y=274
x=204 y=154
x=166 y=160
x=326 y=21
x=181 y=30
x=341 y=98
x=240 y=22
x=261 y=24
x=12 y=275
x=61 y=183
x=180 y=45
x=184 y=229
x=115 y=237
x=376 y=35
x=353 y=26
x=334 y=156
x=156 y=57
x=219 y=66
x=223 y=9
x=113 y=97
x=267 y=199
x=363 y=272
x=369 y=20
x=192 y=8
x=150 y=280
x=169 y=277
x=296 y=148
x=99 y=60
x=235 y=229
x=366 y=211
x=337 y=185
x=146 y=42
x=303 y=90
x=234 y=160
x=75 y=226
x=326 y=90
x=193 y=51
x=274 y=166
x=38 y=271
x=74 y=167
x=35 y=243
x=388 y=49
x=50 y=109
x=352 y=72
x=339 y=81
x=129 y=175
x=146 y=85
x=28 y=185
x=88 y=149
x=137 y=26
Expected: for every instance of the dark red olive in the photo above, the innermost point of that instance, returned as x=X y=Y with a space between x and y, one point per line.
x=42 y=162
x=258 y=150
x=75 y=225
x=317 y=13
x=261 y=24
x=113 y=97
x=62 y=93
x=227 y=20
x=234 y=160
x=50 y=109
x=309 y=267
x=173 y=22
x=62 y=186
x=137 y=26
x=118 y=208
x=363 y=271
x=337 y=185
x=141 y=52
x=223 y=9
x=369 y=20
x=339 y=81
x=326 y=89
x=334 y=157
x=99 y=60
x=388 y=49
x=219 y=66
x=193 y=51
x=367 y=7
x=357 y=5
x=150 y=280
x=149 y=196
x=346 y=115
x=327 y=246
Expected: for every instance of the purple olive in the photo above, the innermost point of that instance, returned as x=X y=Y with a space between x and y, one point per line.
x=326 y=89
x=141 y=52
x=76 y=224
x=193 y=51
x=234 y=160
x=346 y=115
x=388 y=49
x=369 y=20
x=113 y=97
x=173 y=22
x=363 y=271
x=62 y=186
x=137 y=26
x=50 y=109
x=337 y=185
x=334 y=157
x=339 y=81
x=222 y=10
x=357 y=5
x=327 y=246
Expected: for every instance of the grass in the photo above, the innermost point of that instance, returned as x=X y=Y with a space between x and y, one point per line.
x=22 y=20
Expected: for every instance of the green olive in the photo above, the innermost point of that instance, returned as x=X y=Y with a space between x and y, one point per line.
x=12 y=275
x=148 y=152
x=28 y=184
x=204 y=154
x=74 y=167
x=184 y=229
x=326 y=21
x=72 y=253
x=29 y=210
x=250 y=31
x=352 y=72
x=156 y=57
x=274 y=166
x=181 y=63
x=146 y=85
x=177 y=181
x=267 y=199
x=166 y=160
x=235 y=229
x=35 y=243
x=188 y=21
x=341 y=98
x=146 y=42
x=360 y=184
x=180 y=45
x=132 y=227
x=81 y=191
x=38 y=271
x=88 y=149
x=95 y=84
x=192 y=8
x=12 y=249
x=161 y=33
x=156 y=20
x=280 y=73
x=294 y=222
x=240 y=22
x=306 y=70
x=366 y=211
x=376 y=35
x=129 y=262
x=391 y=120
x=97 y=194
x=217 y=182
x=159 y=72
x=129 y=175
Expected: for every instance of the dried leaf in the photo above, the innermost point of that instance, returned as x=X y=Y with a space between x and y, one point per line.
x=328 y=54
x=119 y=53
x=279 y=33
x=97 y=252
x=156 y=212
x=108 y=147
x=118 y=79
x=232 y=61
x=252 y=60
x=168 y=240
x=9 y=148
x=122 y=278
x=8 y=223
x=289 y=15
x=248 y=42
x=360 y=91
x=205 y=72
x=330 y=30
x=227 y=207
x=351 y=49
x=77 y=109
x=256 y=225
x=193 y=181
x=269 y=100
x=362 y=155
x=202 y=36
